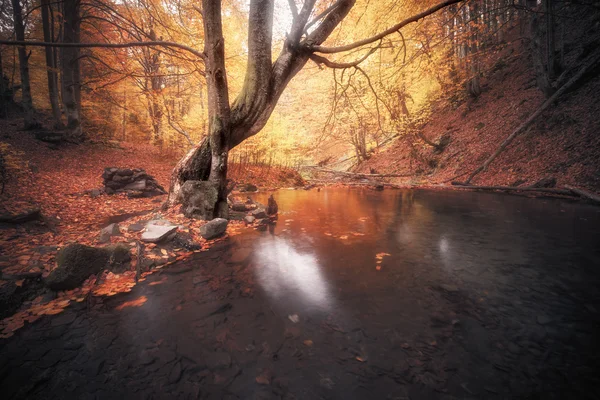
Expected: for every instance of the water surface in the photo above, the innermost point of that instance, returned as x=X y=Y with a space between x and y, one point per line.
x=353 y=294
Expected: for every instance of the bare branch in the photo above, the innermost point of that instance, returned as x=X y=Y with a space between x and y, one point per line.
x=387 y=32
x=157 y=43
x=333 y=64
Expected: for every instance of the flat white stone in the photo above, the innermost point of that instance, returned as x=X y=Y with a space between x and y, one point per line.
x=155 y=233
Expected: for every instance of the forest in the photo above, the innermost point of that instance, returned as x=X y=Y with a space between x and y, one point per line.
x=299 y=199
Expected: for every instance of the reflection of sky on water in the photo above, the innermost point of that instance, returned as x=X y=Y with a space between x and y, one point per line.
x=282 y=271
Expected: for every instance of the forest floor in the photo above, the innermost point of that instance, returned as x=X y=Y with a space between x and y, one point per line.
x=57 y=179
x=562 y=143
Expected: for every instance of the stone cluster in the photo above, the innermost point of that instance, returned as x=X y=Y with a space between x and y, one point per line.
x=135 y=182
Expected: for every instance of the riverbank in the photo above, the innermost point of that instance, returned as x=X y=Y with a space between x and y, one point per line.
x=459 y=136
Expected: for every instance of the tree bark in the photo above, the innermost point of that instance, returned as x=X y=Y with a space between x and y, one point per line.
x=26 y=99
x=70 y=69
x=51 y=65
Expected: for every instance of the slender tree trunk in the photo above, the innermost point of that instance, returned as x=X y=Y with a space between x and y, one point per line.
x=26 y=99
x=51 y=65
x=70 y=69
x=4 y=99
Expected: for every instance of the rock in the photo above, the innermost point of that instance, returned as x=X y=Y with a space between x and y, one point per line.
x=272 y=206
x=139 y=185
x=124 y=172
x=239 y=207
x=77 y=262
x=547 y=182
x=186 y=241
x=250 y=188
x=108 y=231
x=249 y=219
x=258 y=213
x=95 y=193
x=198 y=199
x=123 y=179
x=155 y=233
x=378 y=187
x=214 y=228
x=135 y=227
x=308 y=187
x=135 y=183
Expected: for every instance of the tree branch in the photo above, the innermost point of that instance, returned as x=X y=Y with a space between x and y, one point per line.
x=156 y=43
x=389 y=31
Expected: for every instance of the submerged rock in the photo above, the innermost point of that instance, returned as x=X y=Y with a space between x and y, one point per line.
x=214 y=228
x=258 y=213
x=77 y=262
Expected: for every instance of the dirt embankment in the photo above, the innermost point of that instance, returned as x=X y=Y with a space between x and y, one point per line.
x=563 y=142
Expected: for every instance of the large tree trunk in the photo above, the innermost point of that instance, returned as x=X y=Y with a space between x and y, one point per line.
x=51 y=65
x=26 y=99
x=264 y=83
x=70 y=69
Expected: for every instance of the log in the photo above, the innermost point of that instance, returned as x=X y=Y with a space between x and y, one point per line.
x=562 y=192
x=356 y=174
x=584 y=193
x=592 y=62
x=23 y=217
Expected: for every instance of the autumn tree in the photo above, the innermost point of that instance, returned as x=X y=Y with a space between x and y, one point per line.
x=232 y=121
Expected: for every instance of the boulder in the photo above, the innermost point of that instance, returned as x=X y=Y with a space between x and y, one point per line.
x=214 y=228
x=135 y=227
x=124 y=172
x=186 y=241
x=239 y=207
x=77 y=262
x=95 y=193
x=249 y=219
x=155 y=233
x=198 y=199
x=139 y=185
x=135 y=183
x=108 y=231
x=258 y=213
x=249 y=188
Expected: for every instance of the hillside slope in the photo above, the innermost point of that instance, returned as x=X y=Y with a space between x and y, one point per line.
x=564 y=142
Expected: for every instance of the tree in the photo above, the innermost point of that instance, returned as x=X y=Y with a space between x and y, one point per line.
x=71 y=89
x=51 y=64
x=232 y=123
x=26 y=99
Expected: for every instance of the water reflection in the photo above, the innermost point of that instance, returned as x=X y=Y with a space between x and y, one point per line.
x=283 y=271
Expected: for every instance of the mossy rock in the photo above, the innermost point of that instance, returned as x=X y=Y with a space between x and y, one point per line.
x=77 y=262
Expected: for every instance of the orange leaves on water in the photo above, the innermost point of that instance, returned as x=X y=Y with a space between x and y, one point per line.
x=116 y=283
x=379 y=257
x=132 y=303
x=160 y=282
